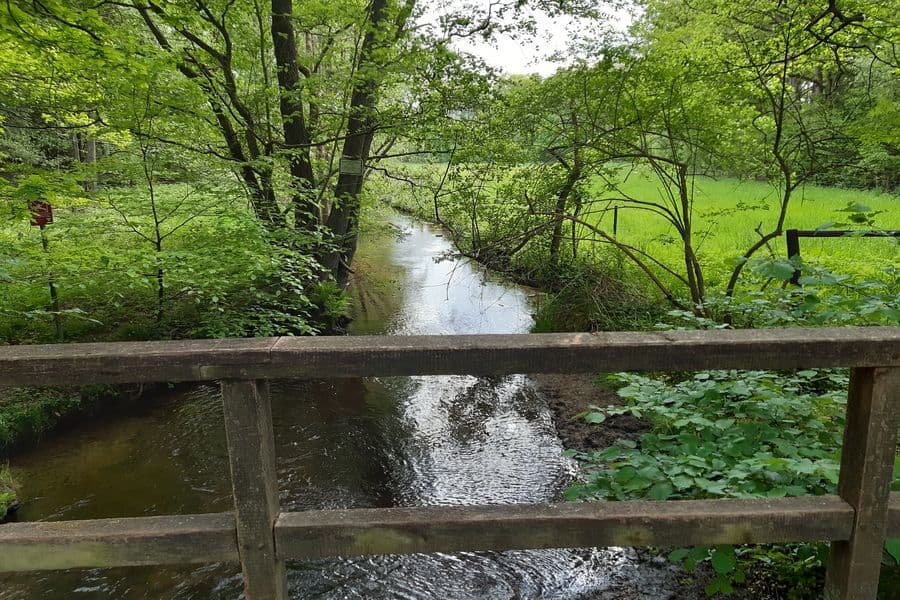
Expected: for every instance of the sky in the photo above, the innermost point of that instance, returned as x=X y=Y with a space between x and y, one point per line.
x=525 y=55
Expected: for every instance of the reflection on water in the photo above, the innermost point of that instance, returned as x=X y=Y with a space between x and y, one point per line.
x=445 y=440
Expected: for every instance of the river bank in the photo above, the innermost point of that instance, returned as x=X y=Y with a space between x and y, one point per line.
x=29 y=414
x=570 y=395
x=9 y=488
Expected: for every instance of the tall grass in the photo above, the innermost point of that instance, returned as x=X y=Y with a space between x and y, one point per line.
x=727 y=213
x=8 y=491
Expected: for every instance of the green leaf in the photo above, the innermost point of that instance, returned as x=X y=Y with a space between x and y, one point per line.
x=776 y=269
x=810 y=302
x=683 y=482
x=608 y=453
x=723 y=559
x=625 y=474
x=819 y=279
x=676 y=556
x=893 y=548
x=660 y=491
x=637 y=483
x=594 y=417
x=719 y=585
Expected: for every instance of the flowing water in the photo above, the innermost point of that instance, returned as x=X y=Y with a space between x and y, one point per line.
x=409 y=441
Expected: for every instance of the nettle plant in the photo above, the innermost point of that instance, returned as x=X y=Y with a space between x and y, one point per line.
x=716 y=434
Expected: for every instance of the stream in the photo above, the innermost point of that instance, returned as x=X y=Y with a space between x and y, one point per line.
x=379 y=442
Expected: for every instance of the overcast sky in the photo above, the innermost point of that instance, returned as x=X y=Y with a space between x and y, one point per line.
x=525 y=55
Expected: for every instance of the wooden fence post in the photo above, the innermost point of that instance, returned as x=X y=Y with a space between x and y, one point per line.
x=792 y=238
x=867 y=461
x=254 y=479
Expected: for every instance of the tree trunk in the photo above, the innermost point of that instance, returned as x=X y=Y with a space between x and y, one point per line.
x=90 y=146
x=76 y=148
x=343 y=220
x=296 y=134
x=562 y=201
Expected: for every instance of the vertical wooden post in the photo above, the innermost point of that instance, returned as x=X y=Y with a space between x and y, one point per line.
x=251 y=453
x=867 y=461
x=792 y=237
x=54 y=295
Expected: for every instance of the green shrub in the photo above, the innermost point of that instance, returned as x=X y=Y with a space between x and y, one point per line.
x=718 y=434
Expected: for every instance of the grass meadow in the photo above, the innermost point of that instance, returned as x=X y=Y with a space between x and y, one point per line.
x=727 y=213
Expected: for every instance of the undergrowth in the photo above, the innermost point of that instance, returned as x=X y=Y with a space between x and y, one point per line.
x=26 y=414
x=8 y=491
x=725 y=434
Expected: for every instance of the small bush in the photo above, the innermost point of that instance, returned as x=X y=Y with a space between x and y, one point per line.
x=586 y=298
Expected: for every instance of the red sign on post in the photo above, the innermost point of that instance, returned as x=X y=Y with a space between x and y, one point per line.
x=41 y=213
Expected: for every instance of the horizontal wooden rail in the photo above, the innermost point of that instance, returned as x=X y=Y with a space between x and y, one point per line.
x=357 y=532
x=845 y=233
x=126 y=542
x=191 y=539
x=359 y=356
x=315 y=534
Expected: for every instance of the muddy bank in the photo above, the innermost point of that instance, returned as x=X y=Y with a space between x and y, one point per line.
x=570 y=395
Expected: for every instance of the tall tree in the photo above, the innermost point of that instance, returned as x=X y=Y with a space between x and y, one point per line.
x=277 y=107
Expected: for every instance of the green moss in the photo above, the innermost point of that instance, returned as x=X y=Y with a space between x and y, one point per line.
x=8 y=491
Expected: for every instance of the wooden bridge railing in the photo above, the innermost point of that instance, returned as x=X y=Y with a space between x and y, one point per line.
x=856 y=520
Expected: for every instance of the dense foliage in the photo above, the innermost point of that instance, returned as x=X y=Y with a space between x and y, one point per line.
x=667 y=126
x=724 y=434
x=176 y=121
x=156 y=130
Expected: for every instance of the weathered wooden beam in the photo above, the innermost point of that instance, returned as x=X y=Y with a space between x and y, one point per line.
x=319 y=357
x=315 y=534
x=254 y=481
x=867 y=461
x=118 y=542
x=127 y=362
